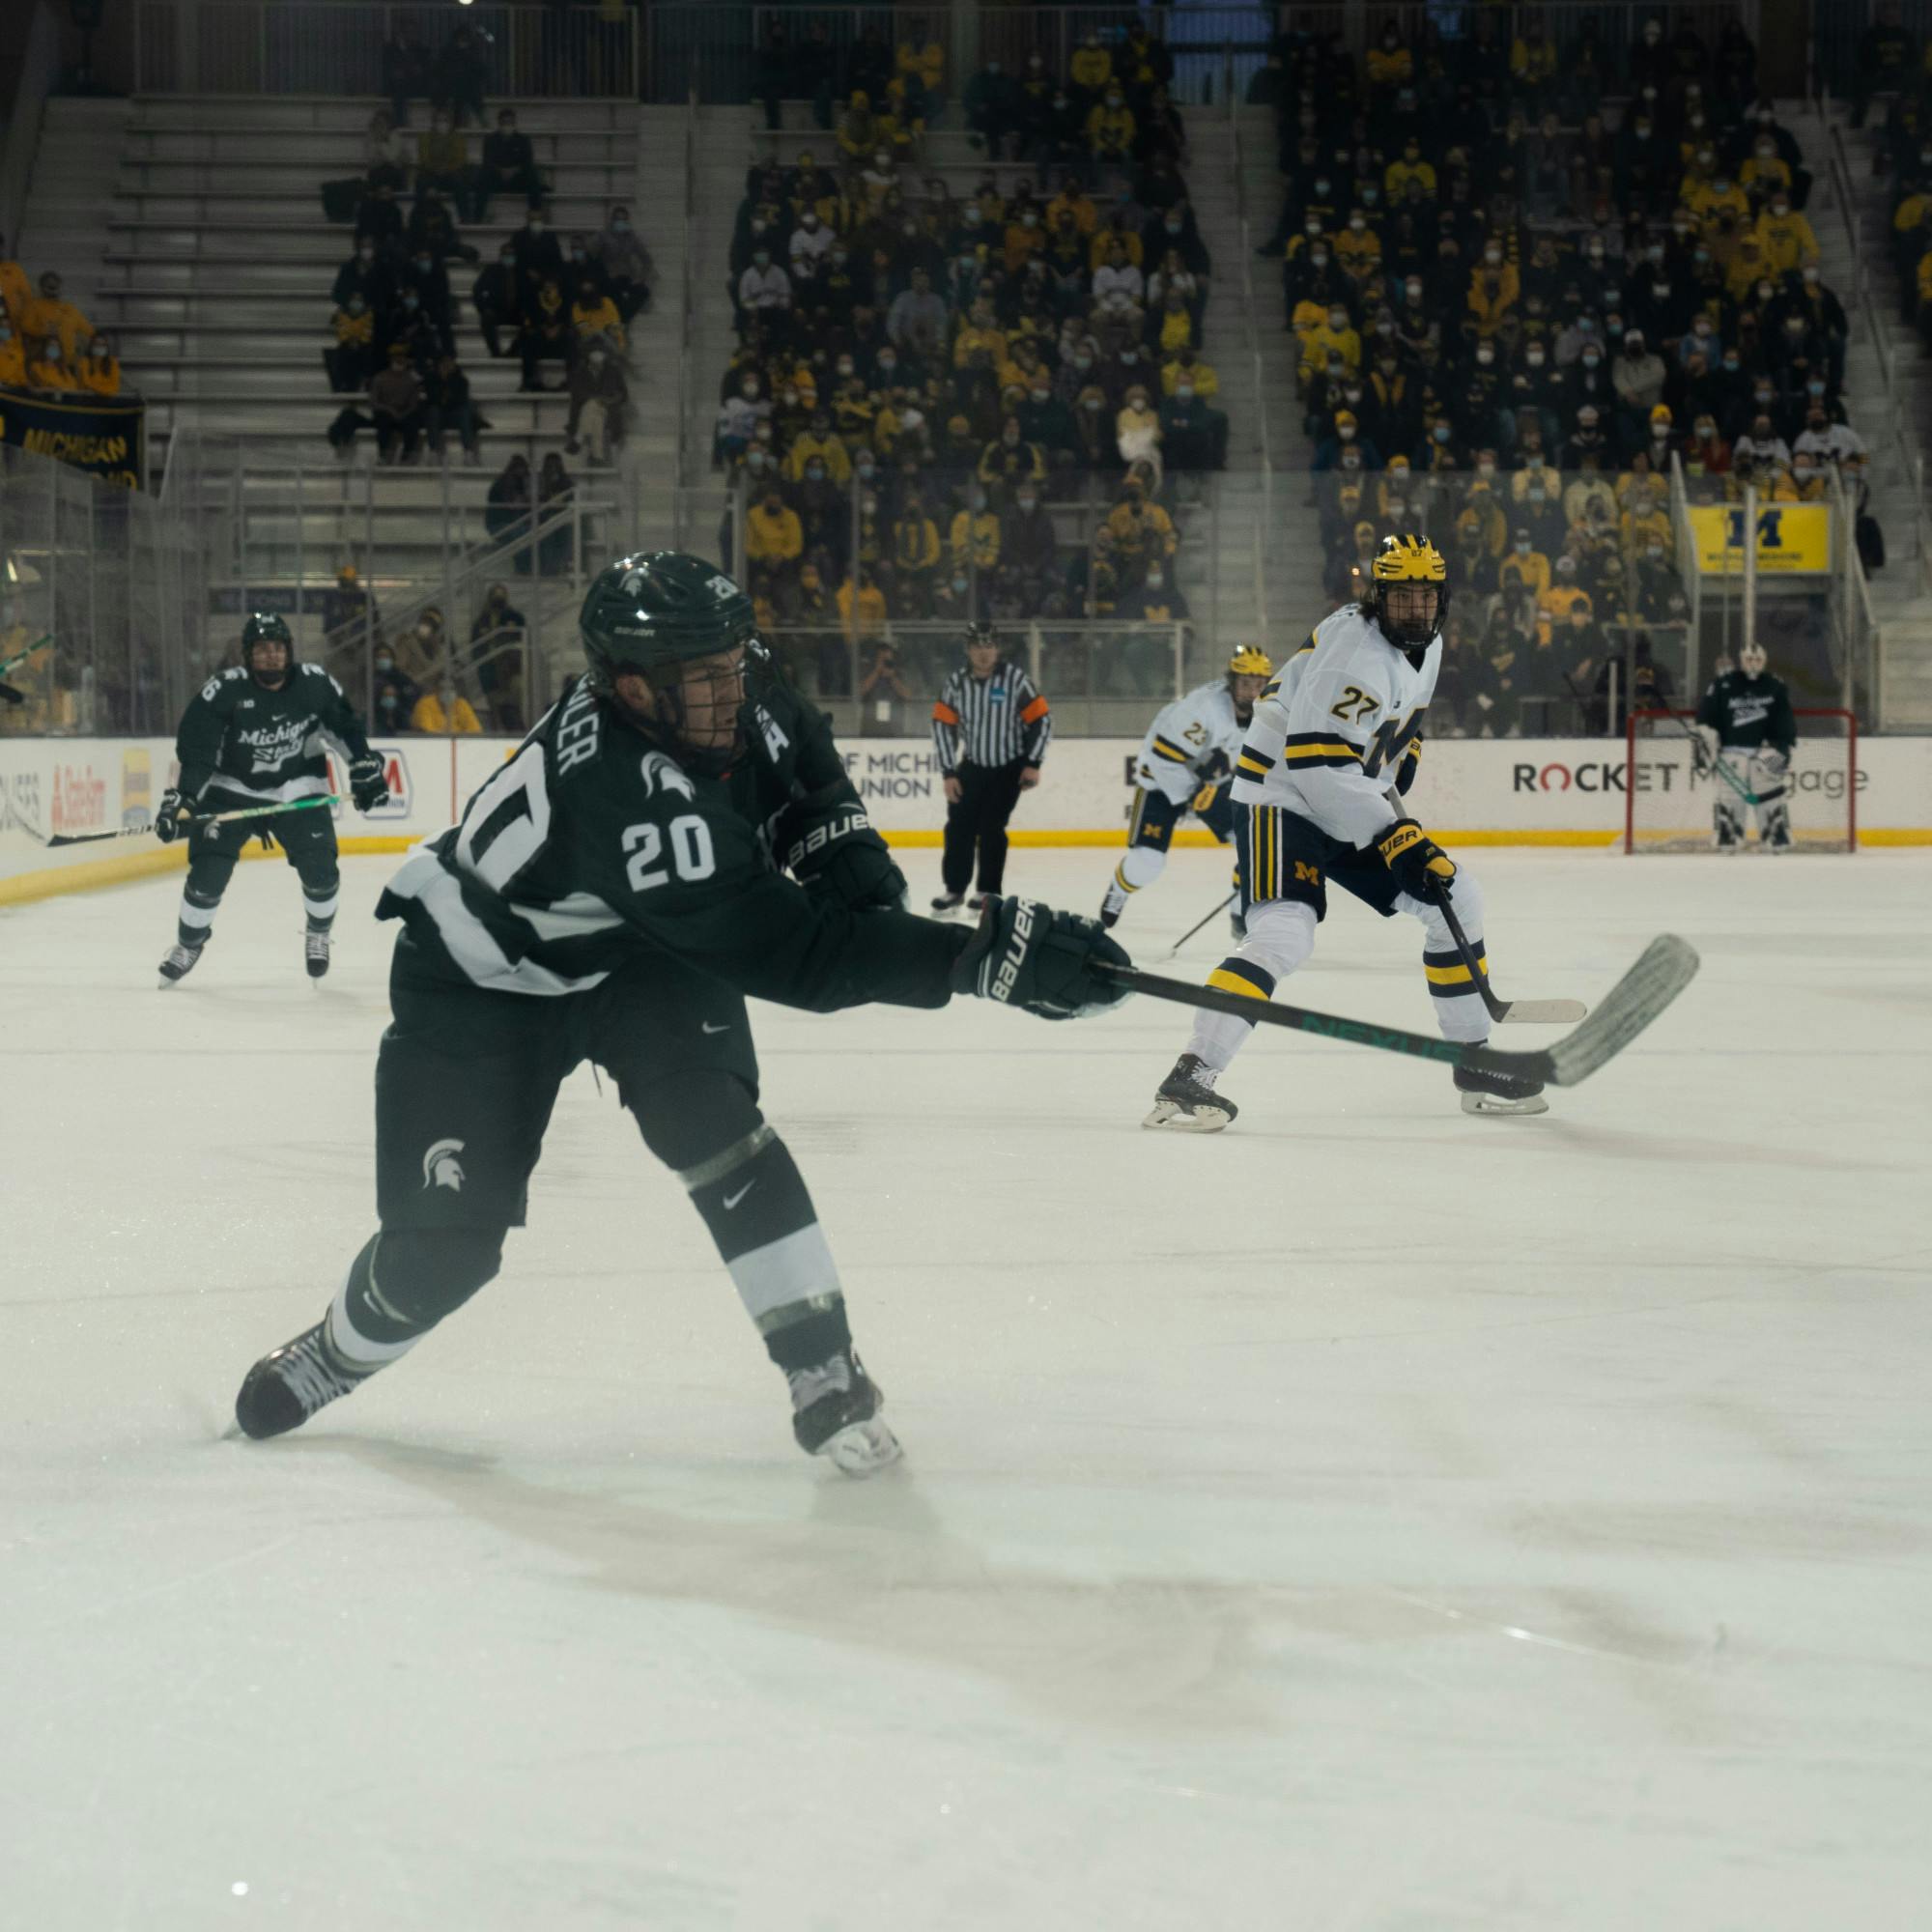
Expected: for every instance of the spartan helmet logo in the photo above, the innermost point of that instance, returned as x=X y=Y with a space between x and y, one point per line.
x=660 y=770
x=442 y=1168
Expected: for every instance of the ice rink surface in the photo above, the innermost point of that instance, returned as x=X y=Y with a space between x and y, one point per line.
x=1370 y=1518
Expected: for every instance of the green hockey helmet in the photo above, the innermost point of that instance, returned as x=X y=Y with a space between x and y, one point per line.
x=264 y=626
x=651 y=614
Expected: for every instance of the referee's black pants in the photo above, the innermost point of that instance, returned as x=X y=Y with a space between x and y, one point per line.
x=978 y=823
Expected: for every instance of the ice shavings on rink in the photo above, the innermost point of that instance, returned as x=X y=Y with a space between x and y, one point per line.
x=1371 y=1517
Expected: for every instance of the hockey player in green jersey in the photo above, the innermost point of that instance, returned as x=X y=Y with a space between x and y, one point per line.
x=676 y=833
x=1748 y=730
x=254 y=735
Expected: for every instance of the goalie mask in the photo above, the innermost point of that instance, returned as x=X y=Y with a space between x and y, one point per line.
x=1751 y=659
x=673 y=643
x=1409 y=592
x=1248 y=672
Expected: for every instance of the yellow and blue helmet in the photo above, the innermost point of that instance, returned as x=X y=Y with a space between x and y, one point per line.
x=1406 y=558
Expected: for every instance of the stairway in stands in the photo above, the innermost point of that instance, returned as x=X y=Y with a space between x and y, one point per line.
x=211 y=262
x=1895 y=426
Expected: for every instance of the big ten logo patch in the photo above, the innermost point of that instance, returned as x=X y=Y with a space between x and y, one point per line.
x=395 y=768
x=137 y=789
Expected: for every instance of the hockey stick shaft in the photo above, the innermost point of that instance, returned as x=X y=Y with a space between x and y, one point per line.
x=189 y=823
x=1667 y=966
x=1208 y=921
x=1716 y=761
x=21 y=657
x=1505 y=1012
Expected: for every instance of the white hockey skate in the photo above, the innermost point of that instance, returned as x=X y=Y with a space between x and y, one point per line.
x=1499 y=1093
x=1186 y=1102
x=178 y=964
x=835 y=1414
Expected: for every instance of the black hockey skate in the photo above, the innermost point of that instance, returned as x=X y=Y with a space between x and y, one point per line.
x=836 y=1414
x=180 y=962
x=1485 y=1093
x=290 y=1383
x=1186 y=1101
x=948 y=903
x=315 y=949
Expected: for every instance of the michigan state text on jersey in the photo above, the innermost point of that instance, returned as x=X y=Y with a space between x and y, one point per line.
x=1186 y=764
x=1319 y=787
x=255 y=735
x=677 y=831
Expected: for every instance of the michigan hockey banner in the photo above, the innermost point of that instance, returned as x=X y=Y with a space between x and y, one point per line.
x=1792 y=538
x=104 y=436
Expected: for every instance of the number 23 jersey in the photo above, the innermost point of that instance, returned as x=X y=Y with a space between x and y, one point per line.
x=1332 y=729
x=592 y=844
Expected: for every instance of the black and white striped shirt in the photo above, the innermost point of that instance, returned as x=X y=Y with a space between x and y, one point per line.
x=1001 y=720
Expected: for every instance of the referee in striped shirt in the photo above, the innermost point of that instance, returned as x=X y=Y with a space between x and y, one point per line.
x=990 y=729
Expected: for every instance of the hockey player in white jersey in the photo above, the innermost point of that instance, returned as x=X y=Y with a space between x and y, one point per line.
x=1319 y=788
x=1186 y=764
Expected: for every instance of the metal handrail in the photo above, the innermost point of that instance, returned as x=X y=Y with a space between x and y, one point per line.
x=1904 y=443
x=1254 y=347
x=688 y=310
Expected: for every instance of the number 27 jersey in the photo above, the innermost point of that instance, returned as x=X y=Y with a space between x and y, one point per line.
x=1331 y=729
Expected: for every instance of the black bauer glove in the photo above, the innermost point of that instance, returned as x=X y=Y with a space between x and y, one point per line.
x=1027 y=954
x=1420 y=867
x=8 y=696
x=828 y=844
x=168 y=817
x=368 y=782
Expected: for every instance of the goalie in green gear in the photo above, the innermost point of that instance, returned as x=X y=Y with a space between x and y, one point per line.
x=254 y=735
x=676 y=833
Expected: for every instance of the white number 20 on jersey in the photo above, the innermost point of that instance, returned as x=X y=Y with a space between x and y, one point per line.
x=690 y=853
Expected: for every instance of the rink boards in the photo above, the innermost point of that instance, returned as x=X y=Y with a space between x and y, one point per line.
x=76 y=812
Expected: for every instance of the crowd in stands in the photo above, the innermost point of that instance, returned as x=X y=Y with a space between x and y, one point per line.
x=566 y=300
x=47 y=345
x=922 y=375
x=412 y=683
x=1525 y=285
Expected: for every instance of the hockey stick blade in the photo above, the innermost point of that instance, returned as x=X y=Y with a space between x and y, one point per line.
x=1505 y=1012
x=1667 y=966
x=1539 y=1012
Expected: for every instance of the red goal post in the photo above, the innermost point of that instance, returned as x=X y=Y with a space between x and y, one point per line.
x=1668 y=801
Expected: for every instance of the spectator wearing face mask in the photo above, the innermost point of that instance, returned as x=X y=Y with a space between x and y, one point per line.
x=509 y=166
x=450 y=411
x=1110 y=130
x=498 y=634
x=1785 y=237
x=774 y=539
x=507 y=514
x=13 y=356
x=1343 y=439
x=366 y=274
x=51 y=316
x=424 y=276
x=349 y=357
x=385 y=152
x=1637 y=375
x=97 y=373
x=539 y=257
x=395 y=696
x=498 y=294
x=594 y=319
x=442 y=162
x=378 y=220
x=991 y=101
x=1192 y=434
x=625 y=264
x=544 y=336
x=49 y=369
x=1524 y=567
x=1334 y=336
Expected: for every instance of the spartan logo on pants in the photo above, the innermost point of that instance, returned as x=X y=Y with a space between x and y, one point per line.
x=442 y=1168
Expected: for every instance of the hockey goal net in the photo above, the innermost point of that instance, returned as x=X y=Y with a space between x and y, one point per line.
x=1668 y=787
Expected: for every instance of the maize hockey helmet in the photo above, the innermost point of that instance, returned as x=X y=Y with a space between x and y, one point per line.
x=264 y=626
x=650 y=615
x=1249 y=661
x=1402 y=561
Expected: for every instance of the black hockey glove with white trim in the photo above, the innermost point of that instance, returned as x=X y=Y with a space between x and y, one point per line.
x=1419 y=866
x=168 y=817
x=827 y=842
x=368 y=782
x=1027 y=954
